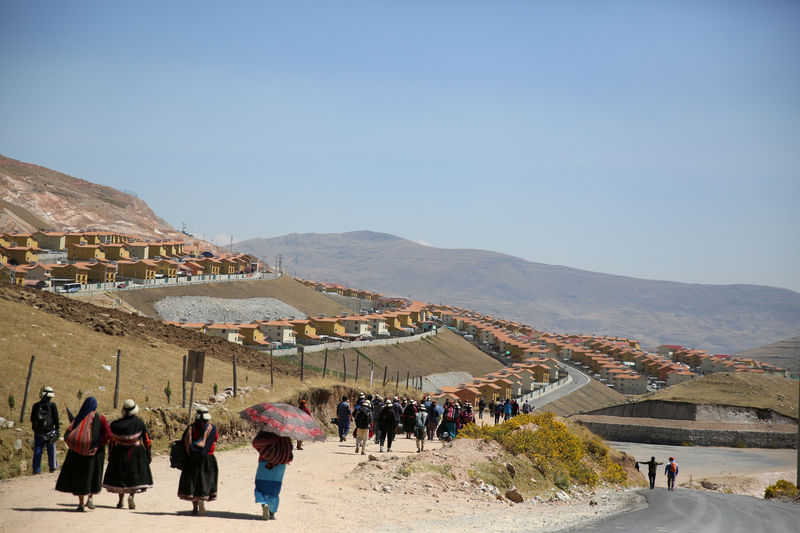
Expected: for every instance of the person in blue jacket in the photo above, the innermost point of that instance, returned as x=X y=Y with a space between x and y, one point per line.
x=671 y=470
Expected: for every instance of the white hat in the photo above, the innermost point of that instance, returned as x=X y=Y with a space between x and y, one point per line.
x=129 y=408
x=367 y=403
x=202 y=412
x=47 y=391
x=361 y=395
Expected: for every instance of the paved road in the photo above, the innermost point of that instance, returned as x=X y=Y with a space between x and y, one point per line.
x=579 y=379
x=684 y=511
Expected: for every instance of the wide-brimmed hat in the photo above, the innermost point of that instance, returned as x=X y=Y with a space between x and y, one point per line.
x=388 y=402
x=367 y=403
x=202 y=412
x=47 y=392
x=129 y=408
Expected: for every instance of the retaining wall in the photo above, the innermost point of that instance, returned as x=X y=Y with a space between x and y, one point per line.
x=699 y=412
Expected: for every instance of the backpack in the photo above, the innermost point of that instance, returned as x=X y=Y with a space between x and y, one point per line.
x=43 y=419
x=450 y=414
x=80 y=439
x=673 y=468
x=362 y=418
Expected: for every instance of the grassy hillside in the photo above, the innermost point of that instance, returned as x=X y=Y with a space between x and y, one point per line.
x=445 y=352
x=742 y=389
x=593 y=395
x=285 y=289
x=785 y=354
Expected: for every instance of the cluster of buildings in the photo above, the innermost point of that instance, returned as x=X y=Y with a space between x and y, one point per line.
x=705 y=363
x=46 y=258
x=288 y=333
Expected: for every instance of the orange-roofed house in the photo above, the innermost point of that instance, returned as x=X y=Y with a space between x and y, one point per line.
x=304 y=331
x=139 y=250
x=332 y=327
x=116 y=251
x=251 y=335
x=281 y=331
x=166 y=268
x=468 y=394
x=20 y=255
x=85 y=252
x=377 y=325
x=229 y=332
x=74 y=272
x=630 y=384
x=140 y=270
x=21 y=240
x=356 y=326
x=101 y=272
x=32 y=274
x=51 y=240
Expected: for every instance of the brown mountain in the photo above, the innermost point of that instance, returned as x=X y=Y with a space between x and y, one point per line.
x=717 y=318
x=785 y=354
x=34 y=197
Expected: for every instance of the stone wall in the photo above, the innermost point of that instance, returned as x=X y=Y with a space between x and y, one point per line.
x=700 y=437
x=699 y=412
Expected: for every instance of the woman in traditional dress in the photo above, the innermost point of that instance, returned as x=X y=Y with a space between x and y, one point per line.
x=86 y=436
x=274 y=453
x=128 y=470
x=303 y=407
x=409 y=417
x=200 y=473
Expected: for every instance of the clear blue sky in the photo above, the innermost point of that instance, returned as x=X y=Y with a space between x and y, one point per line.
x=651 y=139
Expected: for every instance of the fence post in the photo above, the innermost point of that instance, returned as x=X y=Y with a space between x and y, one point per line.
x=235 y=380
x=408 y=375
x=271 y=372
x=397 y=382
x=183 y=383
x=344 y=364
x=325 y=365
x=116 y=382
x=385 y=369
x=371 y=372
x=191 y=394
x=302 y=365
x=357 y=361
x=27 y=388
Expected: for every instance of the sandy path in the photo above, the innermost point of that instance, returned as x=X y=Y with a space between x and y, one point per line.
x=317 y=495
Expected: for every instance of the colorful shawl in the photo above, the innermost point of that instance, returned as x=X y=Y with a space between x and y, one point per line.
x=273 y=449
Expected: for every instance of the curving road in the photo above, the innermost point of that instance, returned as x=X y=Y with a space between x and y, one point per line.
x=579 y=379
x=685 y=511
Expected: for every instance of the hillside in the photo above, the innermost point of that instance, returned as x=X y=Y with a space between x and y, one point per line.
x=718 y=318
x=785 y=354
x=285 y=289
x=445 y=352
x=64 y=203
x=741 y=389
x=593 y=395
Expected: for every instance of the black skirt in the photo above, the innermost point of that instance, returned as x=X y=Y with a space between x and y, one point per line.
x=82 y=474
x=199 y=479
x=128 y=470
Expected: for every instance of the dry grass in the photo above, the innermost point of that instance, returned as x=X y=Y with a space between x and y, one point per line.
x=285 y=289
x=741 y=389
x=445 y=352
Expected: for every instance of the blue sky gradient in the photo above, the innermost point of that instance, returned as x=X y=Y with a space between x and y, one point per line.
x=651 y=139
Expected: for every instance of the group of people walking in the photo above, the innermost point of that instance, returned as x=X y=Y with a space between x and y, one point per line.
x=385 y=418
x=670 y=470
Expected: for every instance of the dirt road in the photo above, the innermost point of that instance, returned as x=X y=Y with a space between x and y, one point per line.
x=321 y=492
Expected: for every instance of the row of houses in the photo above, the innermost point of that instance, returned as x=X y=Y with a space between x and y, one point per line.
x=342 y=290
x=108 y=257
x=265 y=334
x=705 y=363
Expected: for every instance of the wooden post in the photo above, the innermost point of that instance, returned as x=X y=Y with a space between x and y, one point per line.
x=116 y=382
x=271 y=371
x=408 y=375
x=191 y=395
x=385 y=369
x=302 y=365
x=397 y=382
x=357 y=361
x=27 y=388
x=371 y=373
x=183 y=384
x=235 y=380
x=344 y=364
x=325 y=364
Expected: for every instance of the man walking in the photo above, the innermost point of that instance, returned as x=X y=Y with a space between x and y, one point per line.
x=44 y=419
x=481 y=407
x=671 y=470
x=526 y=407
x=420 y=427
x=363 y=419
x=343 y=418
x=651 y=470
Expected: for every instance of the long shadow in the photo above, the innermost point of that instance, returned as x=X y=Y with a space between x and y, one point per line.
x=213 y=514
x=47 y=509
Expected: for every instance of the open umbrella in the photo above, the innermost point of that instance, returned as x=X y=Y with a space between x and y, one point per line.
x=284 y=420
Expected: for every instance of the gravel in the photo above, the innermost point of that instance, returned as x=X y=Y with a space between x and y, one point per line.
x=223 y=310
x=434 y=382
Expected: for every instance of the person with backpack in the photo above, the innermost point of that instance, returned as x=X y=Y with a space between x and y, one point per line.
x=498 y=411
x=343 y=416
x=388 y=424
x=200 y=474
x=651 y=470
x=434 y=413
x=507 y=410
x=129 y=456
x=450 y=420
x=363 y=420
x=86 y=437
x=44 y=420
x=420 y=423
x=481 y=407
x=671 y=470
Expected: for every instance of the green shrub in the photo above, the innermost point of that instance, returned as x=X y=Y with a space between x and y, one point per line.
x=781 y=489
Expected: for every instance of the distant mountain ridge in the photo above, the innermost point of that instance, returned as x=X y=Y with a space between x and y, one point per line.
x=717 y=318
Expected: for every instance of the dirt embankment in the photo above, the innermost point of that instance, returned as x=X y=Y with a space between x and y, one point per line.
x=113 y=322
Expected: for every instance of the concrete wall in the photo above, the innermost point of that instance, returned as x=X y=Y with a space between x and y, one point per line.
x=700 y=437
x=700 y=412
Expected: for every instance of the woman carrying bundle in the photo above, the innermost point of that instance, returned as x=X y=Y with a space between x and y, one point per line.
x=198 y=483
x=274 y=453
x=86 y=436
x=128 y=470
